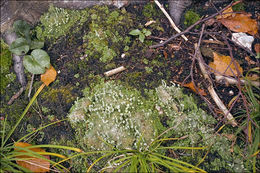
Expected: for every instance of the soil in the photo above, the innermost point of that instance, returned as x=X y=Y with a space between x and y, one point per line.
x=177 y=57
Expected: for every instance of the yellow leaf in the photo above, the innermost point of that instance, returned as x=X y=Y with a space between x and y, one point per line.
x=240 y=23
x=226 y=13
x=49 y=76
x=192 y=87
x=32 y=163
x=222 y=65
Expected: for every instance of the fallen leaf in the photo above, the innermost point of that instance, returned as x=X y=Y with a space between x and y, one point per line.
x=49 y=76
x=192 y=87
x=226 y=13
x=222 y=65
x=32 y=163
x=240 y=22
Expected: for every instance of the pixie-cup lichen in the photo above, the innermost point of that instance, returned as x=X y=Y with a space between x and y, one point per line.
x=113 y=115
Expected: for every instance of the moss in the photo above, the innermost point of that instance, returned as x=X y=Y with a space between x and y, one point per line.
x=59 y=21
x=190 y=18
x=63 y=93
x=150 y=10
x=107 y=33
x=6 y=75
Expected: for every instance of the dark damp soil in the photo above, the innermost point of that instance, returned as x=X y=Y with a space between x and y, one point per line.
x=176 y=57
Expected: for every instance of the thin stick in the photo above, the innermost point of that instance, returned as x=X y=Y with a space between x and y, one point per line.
x=212 y=92
x=114 y=71
x=170 y=19
x=233 y=81
x=14 y=97
x=30 y=89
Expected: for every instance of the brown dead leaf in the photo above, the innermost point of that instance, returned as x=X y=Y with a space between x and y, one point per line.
x=32 y=163
x=226 y=13
x=240 y=22
x=192 y=87
x=49 y=76
x=221 y=64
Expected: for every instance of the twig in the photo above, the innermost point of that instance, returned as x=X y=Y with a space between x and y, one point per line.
x=170 y=19
x=192 y=26
x=114 y=71
x=30 y=89
x=212 y=92
x=16 y=96
x=233 y=81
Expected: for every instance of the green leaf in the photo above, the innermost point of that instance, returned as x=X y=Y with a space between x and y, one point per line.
x=35 y=44
x=37 y=61
x=135 y=32
x=19 y=46
x=141 y=37
x=147 y=33
x=22 y=29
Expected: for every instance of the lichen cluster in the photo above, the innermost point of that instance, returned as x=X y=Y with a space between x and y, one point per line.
x=114 y=115
x=59 y=21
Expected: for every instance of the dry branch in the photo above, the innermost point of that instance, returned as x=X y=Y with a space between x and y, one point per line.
x=212 y=92
x=170 y=19
x=233 y=81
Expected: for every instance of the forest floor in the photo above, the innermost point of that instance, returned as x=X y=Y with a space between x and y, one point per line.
x=174 y=61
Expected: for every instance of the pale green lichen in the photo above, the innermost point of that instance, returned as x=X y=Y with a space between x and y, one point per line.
x=59 y=21
x=112 y=114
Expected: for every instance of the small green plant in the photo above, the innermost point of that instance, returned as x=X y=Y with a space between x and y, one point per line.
x=38 y=60
x=142 y=34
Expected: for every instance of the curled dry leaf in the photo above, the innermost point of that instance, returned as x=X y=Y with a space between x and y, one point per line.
x=49 y=76
x=222 y=65
x=32 y=163
x=192 y=87
x=240 y=22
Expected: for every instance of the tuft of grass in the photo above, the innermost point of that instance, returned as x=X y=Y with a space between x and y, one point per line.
x=150 y=159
